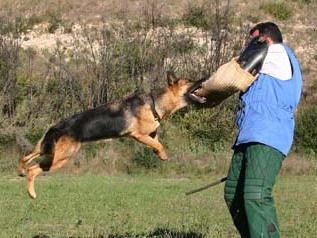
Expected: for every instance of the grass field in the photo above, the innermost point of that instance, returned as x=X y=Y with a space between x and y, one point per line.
x=140 y=206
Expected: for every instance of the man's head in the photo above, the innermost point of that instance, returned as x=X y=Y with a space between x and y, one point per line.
x=269 y=31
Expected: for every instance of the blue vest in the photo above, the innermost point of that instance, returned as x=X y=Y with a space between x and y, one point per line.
x=267 y=109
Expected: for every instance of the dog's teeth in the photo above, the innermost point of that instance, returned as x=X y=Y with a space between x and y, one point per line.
x=198 y=98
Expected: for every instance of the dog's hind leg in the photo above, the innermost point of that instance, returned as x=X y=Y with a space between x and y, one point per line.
x=21 y=169
x=153 y=143
x=65 y=149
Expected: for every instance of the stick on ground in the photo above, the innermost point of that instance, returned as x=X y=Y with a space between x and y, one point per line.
x=206 y=186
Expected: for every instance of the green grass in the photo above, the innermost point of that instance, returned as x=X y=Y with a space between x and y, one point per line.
x=140 y=206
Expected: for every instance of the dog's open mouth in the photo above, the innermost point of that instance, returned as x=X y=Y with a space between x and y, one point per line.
x=196 y=98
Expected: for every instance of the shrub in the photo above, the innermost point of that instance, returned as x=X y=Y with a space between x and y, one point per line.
x=279 y=10
x=208 y=128
x=306 y=130
x=145 y=158
x=253 y=18
x=9 y=61
x=182 y=44
x=196 y=16
x=55 y=21
x=303 y=1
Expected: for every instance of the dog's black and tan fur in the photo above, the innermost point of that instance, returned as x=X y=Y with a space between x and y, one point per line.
x=136 y=116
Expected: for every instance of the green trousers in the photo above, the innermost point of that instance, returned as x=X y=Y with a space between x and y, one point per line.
x=248 y=190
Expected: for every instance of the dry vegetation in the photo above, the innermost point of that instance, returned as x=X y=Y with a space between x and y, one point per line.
x=299 y=27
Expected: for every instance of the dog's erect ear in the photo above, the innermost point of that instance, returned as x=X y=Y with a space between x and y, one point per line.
x=171 y=78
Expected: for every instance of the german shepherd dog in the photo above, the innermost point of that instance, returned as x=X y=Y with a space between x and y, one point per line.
x=137 y=116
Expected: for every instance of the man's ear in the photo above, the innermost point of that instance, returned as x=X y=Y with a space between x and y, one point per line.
x=171 y=78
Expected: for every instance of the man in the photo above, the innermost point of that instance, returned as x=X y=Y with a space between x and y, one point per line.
x=265 y=136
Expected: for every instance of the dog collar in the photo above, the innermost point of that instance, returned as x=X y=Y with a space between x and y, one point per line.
x=156 y=115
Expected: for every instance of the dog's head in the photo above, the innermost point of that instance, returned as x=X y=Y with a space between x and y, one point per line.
x=179 y=86
x=178 y=89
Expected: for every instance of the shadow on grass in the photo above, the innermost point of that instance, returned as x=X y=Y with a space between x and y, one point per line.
x=161 y=232
x=157 y=233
